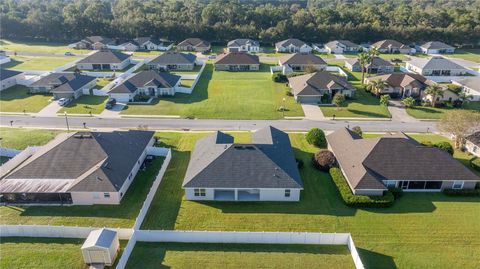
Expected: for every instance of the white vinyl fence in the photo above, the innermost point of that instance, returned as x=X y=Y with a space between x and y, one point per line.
x=56 y=231
x=196 y=78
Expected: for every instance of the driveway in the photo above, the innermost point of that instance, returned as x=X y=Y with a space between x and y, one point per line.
x=339 y=57
x=114 y=112
x=399 y=113
x=50 y=110
x=312 y=112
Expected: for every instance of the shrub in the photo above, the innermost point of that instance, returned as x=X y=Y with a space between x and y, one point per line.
x=475 y=163
x=316 y=137
x=384 y=99
x=409 y=102
x=357 y=130
x=427 y=143
x=397 y=192
x=359 y=200
x=465 y=192
x=338 y=99
x=324 y=160
x=299 y=163
x=279 y=78
x=444 y=146
x=288 y=93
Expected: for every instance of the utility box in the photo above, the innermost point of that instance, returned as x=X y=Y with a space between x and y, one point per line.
x=101 y=247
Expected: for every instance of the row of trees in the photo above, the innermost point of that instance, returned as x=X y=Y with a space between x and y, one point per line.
x=452 y=21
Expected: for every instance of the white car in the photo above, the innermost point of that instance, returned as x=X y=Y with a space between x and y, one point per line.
x=68 y=53
x=63 y=101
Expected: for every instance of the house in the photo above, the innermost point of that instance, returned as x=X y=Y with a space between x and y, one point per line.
x=377 y=66
x=401 y=85
x=4 y=59
x=372 y=165
x=9 y=78
x=145 y=83
x=243 y=45
x=292 y=45
x=237 y=61
x=79 y=168
x=472 y=144
x=63 y=85
x=151 y=43
x=194 y=44
x=391 y=46
x=298 y=61
x=104 y=60
x=436 y=66
x=311 y=88
x=341 y=46
x=319 y=47
x=101 y=247
x=264 y=170
x=447 y=96
x=470 y=86
x=94 y=42
x=436 y=47
x=173 y=61
x=127 y=46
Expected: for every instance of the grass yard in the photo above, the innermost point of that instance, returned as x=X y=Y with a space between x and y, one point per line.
x=102 y=82
x=86 y=104
x=415 y=233
x=435 y=113
x=122 y=215
x=20 y=138
x=38 y=47
x=151 y=53
x=226 y=95
x=466 y=54
x=195 y=71
x=18 y=99
x=37 y=63
x=186 y=83
x=181 y=255
x=389 y=56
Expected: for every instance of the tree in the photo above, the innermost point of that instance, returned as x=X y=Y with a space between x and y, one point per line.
x=464 y=98
x=445 y=146
x=279 y=77
x=409 y=102
x=459 y=123
x=316 y=137
x=372 y=53
x=363 y=60
x=338 y=99
x=434 y=91
x=324 y=160
x=310 y=69
x=377 y=86
x=384 y=99
x=357 y=130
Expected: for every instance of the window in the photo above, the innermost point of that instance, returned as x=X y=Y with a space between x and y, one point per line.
x=457 y=184
x=199 y=192
x=390 y=183
x=106 y=195
x=287 y=193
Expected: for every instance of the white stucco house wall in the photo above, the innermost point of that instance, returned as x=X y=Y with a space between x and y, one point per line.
x=9 y=78
x=470 y=86
x=293 y=45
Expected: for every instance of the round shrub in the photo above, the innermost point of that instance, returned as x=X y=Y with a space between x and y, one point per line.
x=279 y=78
x=357 y=130
x=324 y=160
x=316 y=137
x=444 y=146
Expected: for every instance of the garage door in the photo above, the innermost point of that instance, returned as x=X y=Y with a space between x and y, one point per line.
x=308 y=99
x=97 y=256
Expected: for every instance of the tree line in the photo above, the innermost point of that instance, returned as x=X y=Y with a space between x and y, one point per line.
x=455 y=22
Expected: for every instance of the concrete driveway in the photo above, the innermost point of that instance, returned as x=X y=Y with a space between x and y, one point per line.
x=114 y=112
x=399 y=113
x=50 y=110
x=312 y=112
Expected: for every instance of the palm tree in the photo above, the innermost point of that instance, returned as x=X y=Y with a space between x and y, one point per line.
x=465 y=98
x=372 y=53
x=434 y=91
x=377 y=86
x=363 y=60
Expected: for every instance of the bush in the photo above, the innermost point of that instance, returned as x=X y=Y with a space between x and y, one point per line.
x=444 y=146
x=357 y=130
x=475 y=163
x=397 y=192
x=299 y=163
x=279 y=78
x=316 y=137
x=466 y=192
x=324 y=160
x=288 y=93
x=427 y=143
x=359 y=200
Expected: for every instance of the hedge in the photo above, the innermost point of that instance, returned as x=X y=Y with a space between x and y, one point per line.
x=353 y=200
x=462 y=192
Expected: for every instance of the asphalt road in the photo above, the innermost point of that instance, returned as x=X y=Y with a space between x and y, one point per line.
x=210 y=124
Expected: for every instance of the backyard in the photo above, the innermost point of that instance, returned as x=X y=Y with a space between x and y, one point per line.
x=18 y=99
x=467 y=54
x=212 y=256
x=37 y=63
x=435 y=113
x=86 y=104
x=226 y=95
x=20 y=138
x=38 y=47
x=415 y=233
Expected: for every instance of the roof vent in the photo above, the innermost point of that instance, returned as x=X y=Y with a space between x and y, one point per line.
x=239 y=147
x=99 y=179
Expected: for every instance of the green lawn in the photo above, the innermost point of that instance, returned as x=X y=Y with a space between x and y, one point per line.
x=18 y=99
x=416 y=232
x=226 y=95
x=195 y=70
x=20 y=138
x=152 y=53
x=389 y=56
x=86 y=104
x=435 y=113
x=104 y=70
x=467 y=54
x=122 y=215
x=181 y=255
x=37 y=63
x=186 y=83
x=102 y=82
x=38 y=47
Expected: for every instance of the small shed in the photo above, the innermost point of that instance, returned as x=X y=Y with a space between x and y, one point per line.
x=101 y=247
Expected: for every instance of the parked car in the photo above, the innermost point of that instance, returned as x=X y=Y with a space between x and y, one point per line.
x=69 y=53
x=396 y=60
x=211 y=57
x=64 y=101
x=111 y=102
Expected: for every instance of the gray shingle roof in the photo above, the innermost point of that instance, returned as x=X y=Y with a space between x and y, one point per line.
x=403 y=79
x=101 y=39
x=301 y=58
x=268 y=162
x=291 y=41
x=5 y=73
x=366 y=162
x=64 y=82
x=100 y=238
x=347 y=43
x=388 y=43
x=242 y=42
x=237 y=58
x=436 y=45
x=146 y=78
x=376 y=62
x=194 y=42
x=435 y=63
x=104 y=57
x=474 y=138
x=470 y=82
x=174 y=58
x=312 y=84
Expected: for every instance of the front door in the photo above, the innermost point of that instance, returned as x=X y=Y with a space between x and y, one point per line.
x=151 y=91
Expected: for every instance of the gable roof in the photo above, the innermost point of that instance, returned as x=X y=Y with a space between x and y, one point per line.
x=146 y=78
x=268 y=162
x=243 y=42
x=100 y=39
x=366 y=162
x=194 y=42
x=436 y=45
x=105 y=56
x=376 y=62
x=100 y=238
x=64 y=82
x=435 y=63
x=335 y=43
x=174 y=58
x=237 y=58
x=470 y=82
x=301 y=58
x=291 y=41
x=474 y=138
x=403 y=79
x=81 y=161
x=312 y=84
x=388 y=43
x=142 y=40
x=6 y=73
